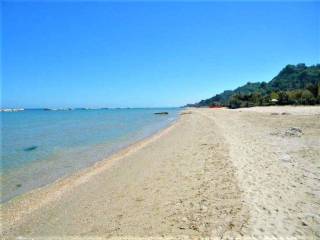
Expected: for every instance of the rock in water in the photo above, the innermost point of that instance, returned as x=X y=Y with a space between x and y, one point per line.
x=30 y=148
x=162 y=113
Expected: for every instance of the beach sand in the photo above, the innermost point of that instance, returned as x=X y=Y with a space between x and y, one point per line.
x=214 y=173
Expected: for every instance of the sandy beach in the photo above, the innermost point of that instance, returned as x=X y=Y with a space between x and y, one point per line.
x=215 y=173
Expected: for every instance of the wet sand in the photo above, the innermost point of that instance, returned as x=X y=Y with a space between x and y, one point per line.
x=214 y=173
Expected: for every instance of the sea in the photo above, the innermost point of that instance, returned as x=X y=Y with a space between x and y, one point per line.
x=38 y=146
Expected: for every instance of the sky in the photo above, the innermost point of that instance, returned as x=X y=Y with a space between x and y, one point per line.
x=147 y=54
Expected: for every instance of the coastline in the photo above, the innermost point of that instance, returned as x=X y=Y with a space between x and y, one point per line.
x=213 y=173
x=29 y=201
x=60 y=148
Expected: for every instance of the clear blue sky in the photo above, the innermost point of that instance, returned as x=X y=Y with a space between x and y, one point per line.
x=62 y=54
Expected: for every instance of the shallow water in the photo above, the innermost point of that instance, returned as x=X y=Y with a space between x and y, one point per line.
x=38 y=146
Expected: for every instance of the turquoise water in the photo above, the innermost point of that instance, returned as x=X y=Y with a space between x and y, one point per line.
x=39 y=146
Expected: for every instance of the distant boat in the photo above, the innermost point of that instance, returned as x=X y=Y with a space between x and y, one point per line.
x=57 y=109
x=11 y=109
x=162 y=113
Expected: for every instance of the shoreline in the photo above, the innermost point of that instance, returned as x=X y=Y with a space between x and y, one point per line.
x=52 y=191
x=59 y=163
x=212 y=173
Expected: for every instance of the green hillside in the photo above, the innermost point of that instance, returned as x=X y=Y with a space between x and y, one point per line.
x=295 y=84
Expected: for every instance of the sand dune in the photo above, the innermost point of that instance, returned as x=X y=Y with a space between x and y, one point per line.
x=214 y=173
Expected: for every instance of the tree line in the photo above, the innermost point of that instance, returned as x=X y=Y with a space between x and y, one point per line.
x=294 y=85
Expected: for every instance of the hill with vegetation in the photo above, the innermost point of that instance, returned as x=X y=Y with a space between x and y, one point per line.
x=294 y=85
